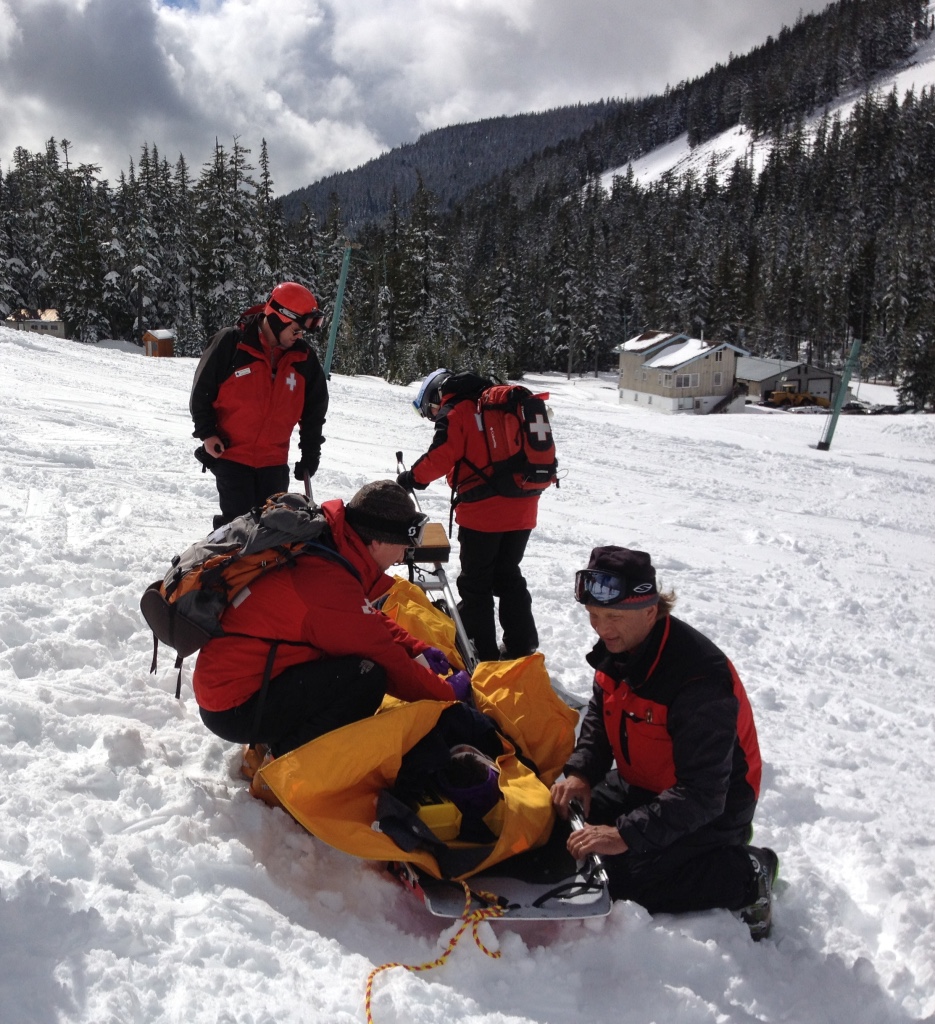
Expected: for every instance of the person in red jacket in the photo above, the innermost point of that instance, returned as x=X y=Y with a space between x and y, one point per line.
x=672 y=820
x=253 y=384
x=314 y=631
x=493 y=531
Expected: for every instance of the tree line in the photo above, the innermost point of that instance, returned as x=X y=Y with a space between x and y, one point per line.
x=159 y=249
x=542 y=268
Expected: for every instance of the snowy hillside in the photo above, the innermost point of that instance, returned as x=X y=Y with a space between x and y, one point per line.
x=139 y=882
x=723 y=151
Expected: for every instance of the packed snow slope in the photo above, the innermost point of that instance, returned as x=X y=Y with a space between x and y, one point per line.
x=139 y=882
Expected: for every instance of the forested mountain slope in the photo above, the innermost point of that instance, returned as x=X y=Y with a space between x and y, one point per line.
x=765 y=91
x=451 y=161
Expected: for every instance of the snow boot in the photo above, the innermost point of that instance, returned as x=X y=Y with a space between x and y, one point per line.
x=259 y=789
x=758 y=915
x=253 y=760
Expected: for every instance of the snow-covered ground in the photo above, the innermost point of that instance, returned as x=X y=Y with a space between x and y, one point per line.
x=139 y=882
x=724 y=150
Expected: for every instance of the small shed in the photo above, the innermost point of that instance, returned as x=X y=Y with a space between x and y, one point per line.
x=159 y=343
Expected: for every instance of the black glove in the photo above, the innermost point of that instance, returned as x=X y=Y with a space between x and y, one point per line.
x=407 y=481
x=207 y=461
x=308 y=464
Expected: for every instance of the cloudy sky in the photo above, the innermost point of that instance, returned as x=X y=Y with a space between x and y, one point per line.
x=332 y=83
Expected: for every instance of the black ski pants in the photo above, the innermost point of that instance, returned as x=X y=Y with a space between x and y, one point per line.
x=241 y=488
x=303 y=702
x=490 y=568
x=699 y=872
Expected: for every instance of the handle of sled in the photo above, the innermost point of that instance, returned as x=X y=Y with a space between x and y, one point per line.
x=401 y=468
x=577 y=821
x=464 y=642
x=308 y=486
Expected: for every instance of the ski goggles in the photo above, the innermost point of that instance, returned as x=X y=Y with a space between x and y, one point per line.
x=311 y=321
x=307 y=321
x=416 y=529
x=593 y=586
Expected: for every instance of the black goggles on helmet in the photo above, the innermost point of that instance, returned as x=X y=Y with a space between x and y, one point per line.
x=311 y=321
x=594 y=586
x=307 y=321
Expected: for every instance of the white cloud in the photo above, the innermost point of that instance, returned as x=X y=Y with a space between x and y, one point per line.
x=9 y=29
x=331 y=83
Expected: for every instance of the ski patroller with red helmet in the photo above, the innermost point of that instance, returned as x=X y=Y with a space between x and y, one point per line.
x=290 y=302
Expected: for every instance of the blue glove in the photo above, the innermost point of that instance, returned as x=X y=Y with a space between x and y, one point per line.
x=460 y=682
x=437 y=661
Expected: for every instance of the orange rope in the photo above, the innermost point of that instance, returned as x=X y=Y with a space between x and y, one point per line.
x=468 y=918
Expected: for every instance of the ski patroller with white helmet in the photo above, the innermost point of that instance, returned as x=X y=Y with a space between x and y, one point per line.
x=430 y=392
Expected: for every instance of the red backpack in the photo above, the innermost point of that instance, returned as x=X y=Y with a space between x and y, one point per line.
x=520 y=447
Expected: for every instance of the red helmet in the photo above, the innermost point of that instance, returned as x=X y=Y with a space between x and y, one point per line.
x=290 y=302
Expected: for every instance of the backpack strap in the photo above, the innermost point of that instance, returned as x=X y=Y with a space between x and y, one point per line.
x=178 y=666
x=264 y=686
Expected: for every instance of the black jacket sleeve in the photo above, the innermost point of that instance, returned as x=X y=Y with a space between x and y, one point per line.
x=315 y=407
x=213 y=368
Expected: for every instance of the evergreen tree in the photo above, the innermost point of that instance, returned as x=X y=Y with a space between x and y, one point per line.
x=9 y=297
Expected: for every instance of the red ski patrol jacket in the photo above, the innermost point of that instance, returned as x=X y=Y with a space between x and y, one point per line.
x=674 y=718
x=459 y=440
x=237 y=395
x=320 y=607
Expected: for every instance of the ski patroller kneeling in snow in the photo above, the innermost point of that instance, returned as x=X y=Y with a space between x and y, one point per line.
x=672 y=820
x=337 y=655
x=253 y=384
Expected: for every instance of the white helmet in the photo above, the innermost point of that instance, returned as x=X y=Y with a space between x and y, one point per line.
x=430 y=393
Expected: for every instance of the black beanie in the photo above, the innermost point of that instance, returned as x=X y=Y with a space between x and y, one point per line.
x=382 y=511
x=634 y=568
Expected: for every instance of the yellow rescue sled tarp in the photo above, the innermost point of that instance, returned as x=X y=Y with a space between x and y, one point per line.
x=331 y=785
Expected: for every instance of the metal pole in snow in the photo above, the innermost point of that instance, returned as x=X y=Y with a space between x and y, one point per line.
x=825 y=443
x=336 y=316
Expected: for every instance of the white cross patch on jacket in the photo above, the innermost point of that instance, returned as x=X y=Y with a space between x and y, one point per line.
x=291 y=381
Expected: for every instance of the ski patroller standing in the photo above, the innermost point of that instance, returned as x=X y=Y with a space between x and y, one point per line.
x=253 y=384
x=493 y=528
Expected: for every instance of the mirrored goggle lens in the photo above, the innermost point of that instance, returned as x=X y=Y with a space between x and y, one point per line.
x=427 y=410
x=592 y=587
x=312 y=321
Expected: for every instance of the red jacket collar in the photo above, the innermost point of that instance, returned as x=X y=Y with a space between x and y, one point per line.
x=349 y=544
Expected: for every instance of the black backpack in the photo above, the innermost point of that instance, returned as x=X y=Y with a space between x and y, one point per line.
x=184 y=609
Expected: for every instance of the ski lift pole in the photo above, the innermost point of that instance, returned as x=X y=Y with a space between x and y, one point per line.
x=825 y=443
x=336 y=315
x=465 y=646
